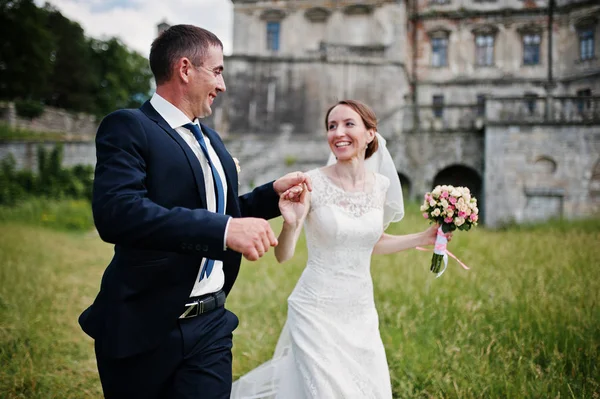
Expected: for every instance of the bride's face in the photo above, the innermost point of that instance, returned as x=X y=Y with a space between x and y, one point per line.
x=346 y=133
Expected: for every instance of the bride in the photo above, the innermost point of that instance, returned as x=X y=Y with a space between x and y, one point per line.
x=330 y=346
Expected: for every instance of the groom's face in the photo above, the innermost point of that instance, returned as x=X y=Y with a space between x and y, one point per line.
x=208 y=82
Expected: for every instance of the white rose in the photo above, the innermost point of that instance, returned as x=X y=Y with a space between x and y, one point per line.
x=444 y=203
x=458 y=221
x=432 y=203
x=436 y=212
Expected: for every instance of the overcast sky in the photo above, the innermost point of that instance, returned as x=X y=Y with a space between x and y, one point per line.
x=134 y=21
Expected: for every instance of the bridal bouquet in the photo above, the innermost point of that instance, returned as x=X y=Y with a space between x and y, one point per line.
x=453 y=208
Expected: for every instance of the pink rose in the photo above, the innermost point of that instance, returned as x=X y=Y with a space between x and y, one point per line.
x=452 y=200
x=448 y=220
x=444 y=194
x=474 y=217
x=425 y=215
x=462 y=214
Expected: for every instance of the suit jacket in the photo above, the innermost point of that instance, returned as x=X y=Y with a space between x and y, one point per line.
x=149 y=200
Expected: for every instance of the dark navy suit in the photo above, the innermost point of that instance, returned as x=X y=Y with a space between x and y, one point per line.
x=149 y=200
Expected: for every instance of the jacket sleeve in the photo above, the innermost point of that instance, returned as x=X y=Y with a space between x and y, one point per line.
x=122 y=211
x=262 y=202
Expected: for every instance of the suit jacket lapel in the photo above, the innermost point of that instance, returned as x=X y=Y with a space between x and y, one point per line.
x=149 y=110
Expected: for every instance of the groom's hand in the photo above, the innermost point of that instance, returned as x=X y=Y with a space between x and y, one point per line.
x=251 y=237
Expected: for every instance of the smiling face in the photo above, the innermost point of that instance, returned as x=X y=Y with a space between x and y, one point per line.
x=346 y=133
x=206 y=82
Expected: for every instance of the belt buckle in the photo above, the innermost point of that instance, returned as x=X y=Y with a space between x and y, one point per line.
x=195 y=308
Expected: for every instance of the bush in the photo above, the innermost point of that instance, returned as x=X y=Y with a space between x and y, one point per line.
x=52 y=181
x=29 y=108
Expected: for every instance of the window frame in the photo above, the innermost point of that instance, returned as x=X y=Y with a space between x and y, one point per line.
x=437 y=107
x=273 y=40
x=534 y=45
x=443 y=40
x=591 y=41
x=488 y=49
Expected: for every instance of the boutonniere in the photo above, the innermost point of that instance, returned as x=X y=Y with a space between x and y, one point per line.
x=237 y=165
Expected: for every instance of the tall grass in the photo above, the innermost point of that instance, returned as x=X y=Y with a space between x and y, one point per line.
x=72 y=215
x=524 y=322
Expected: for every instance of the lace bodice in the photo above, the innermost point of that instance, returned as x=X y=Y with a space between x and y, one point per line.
x=342 y=227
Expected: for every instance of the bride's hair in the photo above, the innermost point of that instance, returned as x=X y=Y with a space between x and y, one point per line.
x=368 y=117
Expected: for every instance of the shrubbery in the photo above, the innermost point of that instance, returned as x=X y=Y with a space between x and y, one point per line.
x=52 y=181
x=29 y=109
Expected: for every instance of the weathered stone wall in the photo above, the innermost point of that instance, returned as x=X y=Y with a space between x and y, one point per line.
x=25 y=153
x=270 y=96
x=307 y=24
x=75 y=126
x=541 y=171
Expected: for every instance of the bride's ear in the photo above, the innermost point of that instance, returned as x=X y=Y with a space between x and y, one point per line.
x=370 y=135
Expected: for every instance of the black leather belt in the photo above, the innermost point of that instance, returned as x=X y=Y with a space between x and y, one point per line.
x=203 y=304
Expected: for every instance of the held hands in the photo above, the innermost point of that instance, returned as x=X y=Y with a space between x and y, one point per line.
x=293 y=205
x=251 y=237
x=290 y=180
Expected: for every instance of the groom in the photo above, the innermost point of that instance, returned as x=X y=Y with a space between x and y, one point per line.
x=166 y=194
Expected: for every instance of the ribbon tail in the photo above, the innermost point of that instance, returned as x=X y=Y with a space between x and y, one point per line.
x=458 y=260
x=445 y=259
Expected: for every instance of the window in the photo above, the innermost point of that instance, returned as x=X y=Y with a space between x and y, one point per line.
x=530 y=102
x=586 y=43
x=484 y=50
x=583 y=104
x=481 y=105
x=438 y=105
x=531 y=49
x=439 y=51
x=273 y=28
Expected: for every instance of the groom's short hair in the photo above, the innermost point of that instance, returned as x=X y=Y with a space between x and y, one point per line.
x=176 y=42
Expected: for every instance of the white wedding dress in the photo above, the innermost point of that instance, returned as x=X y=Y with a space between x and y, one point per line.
x=330 y=346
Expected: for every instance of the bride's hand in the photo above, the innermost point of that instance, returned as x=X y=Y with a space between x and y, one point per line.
x=293 y=203
x=431 y=234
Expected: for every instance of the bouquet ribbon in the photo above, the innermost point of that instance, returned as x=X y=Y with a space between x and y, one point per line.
x=440 y=247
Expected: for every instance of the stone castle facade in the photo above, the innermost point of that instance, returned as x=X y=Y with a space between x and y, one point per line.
x=498 y=95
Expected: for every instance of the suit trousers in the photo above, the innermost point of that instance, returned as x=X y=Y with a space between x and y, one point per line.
x=194 y=361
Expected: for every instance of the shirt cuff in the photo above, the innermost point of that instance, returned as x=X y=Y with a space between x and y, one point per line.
x=225 y=235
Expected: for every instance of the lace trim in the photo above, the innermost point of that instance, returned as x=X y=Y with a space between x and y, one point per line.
x=355 y=203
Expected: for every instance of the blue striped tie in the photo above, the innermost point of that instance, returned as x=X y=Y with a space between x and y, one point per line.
x=219 y=193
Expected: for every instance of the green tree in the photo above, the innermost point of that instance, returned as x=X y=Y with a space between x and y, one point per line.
x=125 y=76
x=26 y=47
x=46 y=58
x=73 y=77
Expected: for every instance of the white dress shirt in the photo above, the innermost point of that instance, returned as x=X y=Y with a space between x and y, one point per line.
x=176 y=119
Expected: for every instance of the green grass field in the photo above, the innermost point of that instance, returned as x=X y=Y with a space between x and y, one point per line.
x=524 y=322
